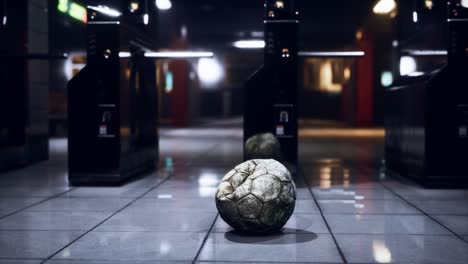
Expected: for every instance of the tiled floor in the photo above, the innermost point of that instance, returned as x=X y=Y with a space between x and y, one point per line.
x=347 y=211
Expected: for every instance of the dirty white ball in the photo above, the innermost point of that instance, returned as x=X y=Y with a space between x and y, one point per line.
x=257 y=196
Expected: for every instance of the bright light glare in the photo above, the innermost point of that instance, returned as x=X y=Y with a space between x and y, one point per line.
x=382 y=253
x=249 y=44
x=464 y=3
x=105 y=10
x=416 y=74
x=124 y=54
x=4 y=20
x=415 y=17
x=210 y=71
x=384 y=7
x=330 y=54
x=146 y=19
x=407 y=65
x=208 y=180
x=164 y=4
x=179 y=54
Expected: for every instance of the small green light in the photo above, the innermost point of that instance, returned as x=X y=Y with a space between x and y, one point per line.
x=386 y=79
x=78 y=12
x=63 y=6
x=169 y=82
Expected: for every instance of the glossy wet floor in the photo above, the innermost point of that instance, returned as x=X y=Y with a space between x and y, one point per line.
x=348 y=210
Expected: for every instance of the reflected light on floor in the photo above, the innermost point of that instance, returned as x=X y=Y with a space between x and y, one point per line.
x=325 y=177
x=165 y=248
x=164 y=196
x=381 y=252
x=208 y=180
x=341 y=133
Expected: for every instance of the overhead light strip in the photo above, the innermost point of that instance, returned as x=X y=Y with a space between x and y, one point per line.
x=173 y=54
x=328 y=54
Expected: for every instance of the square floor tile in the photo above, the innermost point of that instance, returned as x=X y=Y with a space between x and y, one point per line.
x=458 y=224
x=367 y=207
x=121 y=192
x=353 y=194
x=178 y=192
x=384 y=224
x=455 y=207
x=20 y=261
x=403 y=249
x=316 y=183
x=44 y=191
x=13 y=204
x=276 y=248
x=135 y=246
x=298 y=223
x=303 y=193
x=63 y=261
x=306 y=207
x=245 y=262
x=419 y=193
x=199 y=205
x=52 y=221
x=159 y=221
x=82 y=204
x=33 y=244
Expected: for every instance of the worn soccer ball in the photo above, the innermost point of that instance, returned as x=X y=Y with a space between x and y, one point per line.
x=257 y=196
x=263 y=146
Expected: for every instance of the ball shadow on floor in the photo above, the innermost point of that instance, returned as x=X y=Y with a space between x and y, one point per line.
x=282 y=237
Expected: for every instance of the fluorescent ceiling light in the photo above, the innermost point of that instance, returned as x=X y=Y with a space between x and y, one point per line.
x=464 y=3
x=164 y=4
x=407 y=65
x=105 y=10
x=426 y=52
x=249 y=44
x=384 y=7
x=179 y=54
x=331 y=54
x=125 y=54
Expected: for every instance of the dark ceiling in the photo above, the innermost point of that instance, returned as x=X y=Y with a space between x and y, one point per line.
x=216 y=23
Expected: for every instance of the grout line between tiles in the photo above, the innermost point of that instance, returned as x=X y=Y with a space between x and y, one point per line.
x=211 y=227
x=424 y=213
x=41 y=201
x=205 y=239
x=107 y=218
x=340 y=251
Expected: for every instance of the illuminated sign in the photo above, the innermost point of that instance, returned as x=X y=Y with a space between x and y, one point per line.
x=72 y=9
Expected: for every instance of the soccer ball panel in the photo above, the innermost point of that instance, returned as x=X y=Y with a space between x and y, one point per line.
x=237 y=179
x=228 y=176
x=258 y=172
x=266 y=187
x=241 y=191
x=272 y=213
x=288 y=194
x=225 y=188
x=228 y=210
x=249 y=207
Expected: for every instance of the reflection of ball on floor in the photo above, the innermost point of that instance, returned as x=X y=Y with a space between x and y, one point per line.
x=257 y=196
